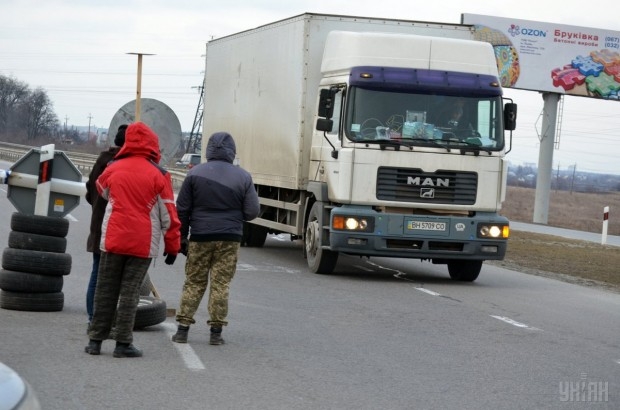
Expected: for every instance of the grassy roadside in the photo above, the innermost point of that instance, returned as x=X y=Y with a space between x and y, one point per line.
x=580 y=262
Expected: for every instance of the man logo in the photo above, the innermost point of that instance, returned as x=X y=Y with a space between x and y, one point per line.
x=427 y=193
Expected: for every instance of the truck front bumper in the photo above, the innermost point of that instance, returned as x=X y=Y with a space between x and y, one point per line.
x=418 y=236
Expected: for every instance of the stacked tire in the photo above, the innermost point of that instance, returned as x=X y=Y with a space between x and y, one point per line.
x=35 y=263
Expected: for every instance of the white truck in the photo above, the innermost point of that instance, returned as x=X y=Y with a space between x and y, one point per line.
x=344 y=124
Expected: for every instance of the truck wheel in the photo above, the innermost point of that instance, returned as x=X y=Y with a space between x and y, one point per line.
x=254 y=236
x=319 y=260
x=463 y=270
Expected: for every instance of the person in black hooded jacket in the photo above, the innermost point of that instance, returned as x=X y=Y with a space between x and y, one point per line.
x=215 y=199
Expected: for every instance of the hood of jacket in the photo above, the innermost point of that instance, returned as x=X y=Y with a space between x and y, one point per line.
x=221 y=147
x=140 y=141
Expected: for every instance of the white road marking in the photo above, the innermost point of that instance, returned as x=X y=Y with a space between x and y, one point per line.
x=430 y=292
x=267 y=268
x=513 y=322
x=191 y=359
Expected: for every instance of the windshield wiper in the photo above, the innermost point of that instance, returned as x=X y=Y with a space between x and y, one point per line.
x=471 y=146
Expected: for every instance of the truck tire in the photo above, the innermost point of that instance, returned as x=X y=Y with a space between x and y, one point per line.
x=32 y=302
x=151 y=311
x=29 y=282
x=319 y=260
x=36 y=242
x=44 y=263
x=464 y=270
x=254 y=236
x=42 y=225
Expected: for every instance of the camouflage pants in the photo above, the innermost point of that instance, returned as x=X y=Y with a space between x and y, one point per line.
x=117 y=293
x=214 y=261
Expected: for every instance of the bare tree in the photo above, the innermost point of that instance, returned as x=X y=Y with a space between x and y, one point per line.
x=12 y=95
x=38 y=115
x=25 y=114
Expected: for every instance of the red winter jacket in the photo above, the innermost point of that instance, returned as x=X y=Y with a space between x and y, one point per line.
x=140 y=199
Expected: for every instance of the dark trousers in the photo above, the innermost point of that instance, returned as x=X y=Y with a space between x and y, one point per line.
x=92 y=285
x=117 y=295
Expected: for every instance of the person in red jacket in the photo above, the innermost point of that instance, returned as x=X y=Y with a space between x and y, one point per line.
x=98 y=205
x=140 y=210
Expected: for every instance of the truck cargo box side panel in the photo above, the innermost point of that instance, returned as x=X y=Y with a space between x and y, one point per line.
x=254 y=89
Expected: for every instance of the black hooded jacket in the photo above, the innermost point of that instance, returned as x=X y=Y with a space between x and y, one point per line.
x=217 y=196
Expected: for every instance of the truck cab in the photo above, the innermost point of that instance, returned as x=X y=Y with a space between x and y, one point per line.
x=412 y=152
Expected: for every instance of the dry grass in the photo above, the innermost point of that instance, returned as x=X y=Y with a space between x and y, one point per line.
x=577 y=210
x=586 y=263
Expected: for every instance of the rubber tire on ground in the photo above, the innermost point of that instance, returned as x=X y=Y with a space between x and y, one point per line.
x=32 y=302
x=464 y=270
x=151 y=311
x=42 y=225
x=44 y=263
x=254 y=236
x=29 y=282
x=319 y=260
x=145 y=288
x=36 y=242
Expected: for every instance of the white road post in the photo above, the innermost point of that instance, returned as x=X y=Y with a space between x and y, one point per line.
x=605 y=223
x=44 y=186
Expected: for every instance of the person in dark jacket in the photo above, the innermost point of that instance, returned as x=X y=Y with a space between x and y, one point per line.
x=215 y=199
x=98 y=205
x=140 y=211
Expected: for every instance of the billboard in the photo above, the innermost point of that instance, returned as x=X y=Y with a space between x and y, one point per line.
x=550 y=57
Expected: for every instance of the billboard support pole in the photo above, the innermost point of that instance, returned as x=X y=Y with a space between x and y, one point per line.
x=545 y=157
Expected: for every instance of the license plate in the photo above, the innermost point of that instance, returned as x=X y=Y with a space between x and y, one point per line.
x=426 y=226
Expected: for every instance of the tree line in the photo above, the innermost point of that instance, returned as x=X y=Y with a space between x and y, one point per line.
x=26 y=116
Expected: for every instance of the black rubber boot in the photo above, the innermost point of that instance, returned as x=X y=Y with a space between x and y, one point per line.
x=216 y=336
x=126 y=350
x=94 y=347
x=181 y=335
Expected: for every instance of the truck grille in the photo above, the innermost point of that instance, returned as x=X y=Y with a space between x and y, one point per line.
x=413 y=185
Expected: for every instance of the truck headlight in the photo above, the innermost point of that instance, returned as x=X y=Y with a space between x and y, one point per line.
x=353 y=223
x=493 y=231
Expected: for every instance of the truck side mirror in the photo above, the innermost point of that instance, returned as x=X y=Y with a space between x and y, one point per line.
x=510 y=116
x=323 y=124
x=326 y=103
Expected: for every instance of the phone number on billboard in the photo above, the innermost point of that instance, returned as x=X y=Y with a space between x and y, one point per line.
x=612 y=42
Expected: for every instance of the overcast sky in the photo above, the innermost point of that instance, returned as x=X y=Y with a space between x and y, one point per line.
x=77 y=52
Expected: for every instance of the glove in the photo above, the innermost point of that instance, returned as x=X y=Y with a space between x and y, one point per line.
x=184 y=245
x=170 y=258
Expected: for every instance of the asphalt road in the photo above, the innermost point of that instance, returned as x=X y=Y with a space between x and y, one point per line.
x=377 y=334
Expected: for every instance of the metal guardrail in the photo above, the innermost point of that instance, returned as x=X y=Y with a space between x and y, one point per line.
x=82 y=161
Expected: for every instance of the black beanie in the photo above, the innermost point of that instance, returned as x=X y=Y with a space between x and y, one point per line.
x=119 y=140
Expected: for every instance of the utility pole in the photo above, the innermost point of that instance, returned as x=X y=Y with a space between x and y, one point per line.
x=195 y=137
x=572 y=181
x=139 y=85
x=90 y=116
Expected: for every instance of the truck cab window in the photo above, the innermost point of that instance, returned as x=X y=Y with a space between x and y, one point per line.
x=423 y=119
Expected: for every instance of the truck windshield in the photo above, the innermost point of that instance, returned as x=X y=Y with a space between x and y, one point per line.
x=374 y=116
